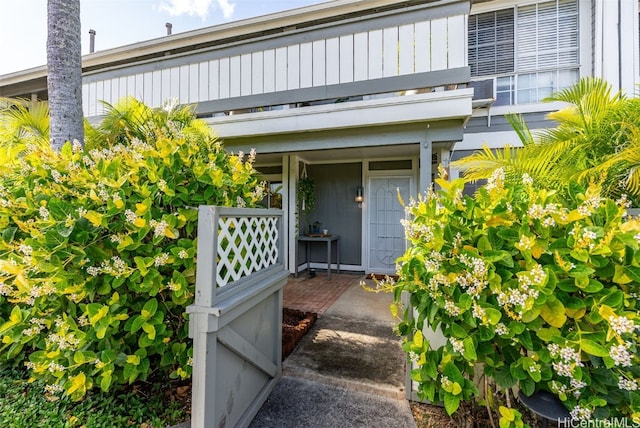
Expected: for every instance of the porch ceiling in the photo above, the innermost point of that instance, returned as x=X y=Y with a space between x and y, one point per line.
x=398 y=151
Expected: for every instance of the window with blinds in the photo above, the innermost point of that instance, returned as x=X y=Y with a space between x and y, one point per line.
x=532 y=50
x=491 y=41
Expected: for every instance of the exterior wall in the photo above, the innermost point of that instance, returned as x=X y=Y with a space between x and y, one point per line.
x=411 y=41
x=336 y=209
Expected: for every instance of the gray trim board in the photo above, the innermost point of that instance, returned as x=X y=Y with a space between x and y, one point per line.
x=537 y=120
x=327 y=92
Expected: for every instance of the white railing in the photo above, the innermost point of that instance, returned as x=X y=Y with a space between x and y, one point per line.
x=425 y=46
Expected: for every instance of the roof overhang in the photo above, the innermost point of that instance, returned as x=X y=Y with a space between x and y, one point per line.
x=430 y=107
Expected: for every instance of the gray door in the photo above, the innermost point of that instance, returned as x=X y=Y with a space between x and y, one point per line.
x=386 y=235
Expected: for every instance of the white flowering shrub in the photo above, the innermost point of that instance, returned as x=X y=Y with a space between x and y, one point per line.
x=97 y=250
x=529 y=290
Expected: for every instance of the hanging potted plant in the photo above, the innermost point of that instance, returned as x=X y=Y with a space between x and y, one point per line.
x=306 y=194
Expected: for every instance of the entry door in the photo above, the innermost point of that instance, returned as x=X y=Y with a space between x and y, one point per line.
x=386 y=234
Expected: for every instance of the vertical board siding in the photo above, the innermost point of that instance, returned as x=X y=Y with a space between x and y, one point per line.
x=257 y=73
x=281 y=69
x=375 y=54
x=246 y=75
x=306 y=65
x=214 y=79
x=234 y=76
x=203 y=81
x=360 y=56
x=293 y=67
x=457 y=41
x=224 y=78
x=418 y=47
x=319 y=63
x=422 y=47
x=346 y=59
x=333 y=61
x=390 y=52
x=439 y=44
x=269 y=64
x=406 y=39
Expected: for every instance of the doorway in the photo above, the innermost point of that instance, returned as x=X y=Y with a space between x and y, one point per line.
x=386 y=240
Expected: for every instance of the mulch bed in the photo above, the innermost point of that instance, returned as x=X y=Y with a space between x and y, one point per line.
x=381 y=276
x=295 y=324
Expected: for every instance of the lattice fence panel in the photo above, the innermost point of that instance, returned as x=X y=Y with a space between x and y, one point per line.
x=245 y=245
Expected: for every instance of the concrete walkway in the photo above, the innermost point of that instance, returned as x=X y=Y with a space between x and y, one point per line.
x=348 y=371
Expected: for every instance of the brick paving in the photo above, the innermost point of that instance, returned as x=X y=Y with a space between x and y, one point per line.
x=319 y=293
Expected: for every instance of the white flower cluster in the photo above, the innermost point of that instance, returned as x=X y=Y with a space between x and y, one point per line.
x=496 y=181
x=5 y=290
x=54 y=367
x=446 y=382
x=44 y=213
x=525 y=243
x=457 y=344
x=547 y=213
x=620 y=355
x=114 y=267
x=569 y=359
x=161 y=260
x=623 y=201
x=474 y=279
x=501 y=329
x=62 y=341
x=414 y=230
x=586 y=239
x=580 y=413
x=159 y=227
x=628 y=384
x=480 y=313
x=36 y=327
x=451 y=308
x=53 y=388
x=622 y=325
x=183 y=254
x=130 y=216
x=591 y=203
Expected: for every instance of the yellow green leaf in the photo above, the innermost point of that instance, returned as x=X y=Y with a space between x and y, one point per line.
x=77 y=383
x=553 y=313
x=150 y=330
x=94 y=217
x=133 y=359
x=99 y=315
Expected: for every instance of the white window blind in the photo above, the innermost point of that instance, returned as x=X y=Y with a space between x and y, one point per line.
x=491 y=43
x=547 y=36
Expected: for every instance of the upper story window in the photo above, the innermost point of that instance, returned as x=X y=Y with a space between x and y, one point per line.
x=532 y=51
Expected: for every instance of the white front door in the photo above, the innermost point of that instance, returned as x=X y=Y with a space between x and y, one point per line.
x=386 y=235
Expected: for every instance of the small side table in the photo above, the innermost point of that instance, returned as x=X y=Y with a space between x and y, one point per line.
x=329 y=239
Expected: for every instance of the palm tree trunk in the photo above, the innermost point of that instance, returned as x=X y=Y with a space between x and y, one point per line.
x=64 y=80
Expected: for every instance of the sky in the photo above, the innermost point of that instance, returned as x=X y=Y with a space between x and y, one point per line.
x=23 y=23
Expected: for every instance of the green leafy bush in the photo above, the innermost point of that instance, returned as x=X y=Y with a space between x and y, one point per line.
x=530 y=291
x=97 y=248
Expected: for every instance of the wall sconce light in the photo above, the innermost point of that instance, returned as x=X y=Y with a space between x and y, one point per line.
x=359 y=194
